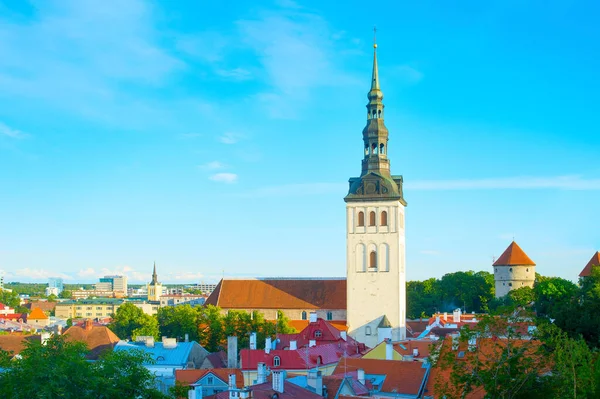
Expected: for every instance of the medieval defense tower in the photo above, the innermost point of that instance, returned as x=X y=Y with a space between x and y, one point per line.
x=375 y=243
x=513 y=269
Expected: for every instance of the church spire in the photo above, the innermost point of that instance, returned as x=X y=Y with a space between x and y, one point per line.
x=375 y=163
x=154 y=276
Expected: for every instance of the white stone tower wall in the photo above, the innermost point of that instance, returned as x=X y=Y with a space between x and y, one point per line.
x=373 y=294
x=509 y=278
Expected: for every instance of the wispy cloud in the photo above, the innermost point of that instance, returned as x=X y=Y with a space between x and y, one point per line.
x=230 y=138
x=511 y=183
x=214 y=165
x=224 y=177
x=7 y=131
x=573 y=182
x=35 y=274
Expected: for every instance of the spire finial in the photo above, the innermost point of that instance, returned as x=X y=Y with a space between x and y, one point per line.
x=374 y=37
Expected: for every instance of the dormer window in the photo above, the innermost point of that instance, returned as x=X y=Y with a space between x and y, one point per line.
x=303 y=315
x=318 y=334
x=276 y=361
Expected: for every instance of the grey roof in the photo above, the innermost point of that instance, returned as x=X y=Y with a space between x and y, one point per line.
x=384 y=323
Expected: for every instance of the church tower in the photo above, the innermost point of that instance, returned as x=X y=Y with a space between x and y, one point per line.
x=375 y=243
x=512 y=270
x=154 y=287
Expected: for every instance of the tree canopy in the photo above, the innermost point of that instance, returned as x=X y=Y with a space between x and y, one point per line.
x=130 y=321
x=58 y=369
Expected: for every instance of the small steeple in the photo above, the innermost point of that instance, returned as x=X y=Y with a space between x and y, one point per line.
x=154 y=276
x=375 y=77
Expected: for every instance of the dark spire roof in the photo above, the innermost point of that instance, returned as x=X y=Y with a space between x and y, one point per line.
x=154 y=276
x=384 y=323
x=375 y=181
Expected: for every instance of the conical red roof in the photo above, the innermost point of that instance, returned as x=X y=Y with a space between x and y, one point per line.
x=514 y=256
x=587 y=270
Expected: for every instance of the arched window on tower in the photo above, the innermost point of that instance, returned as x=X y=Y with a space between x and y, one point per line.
x=384 y=218
x=372 y=218
x=379 y=114
x=374 y=149
x=373 y=259
x=381 y=149
x=361 y=218
x=366 y=150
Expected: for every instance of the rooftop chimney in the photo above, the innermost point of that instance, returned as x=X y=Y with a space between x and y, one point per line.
x=415 y=352
x=315 y=381
x=261 y=375
x=313 y=317
x=268 y=345
x=149 y=342
x=232 y=352
x=278 y=380
x=456 y=315
x=88 y=325
x=232 y=381
x=312 y=342
x=361 y=376
x=169 y=343
x=344 y=335
x=445 y=316
x=293 y=345
x=245 y=393
x=389 y=350
x=187 y=337
x=195 y=392
x=253 y=340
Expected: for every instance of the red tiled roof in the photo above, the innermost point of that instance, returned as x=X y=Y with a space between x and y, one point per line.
x=328 y=334
x=279 y=294
x=37 y=314
x=265 y=391
x=300 y=325
x=14 y=316
x=416 y=327
x=514 y=256
x=401 y=377
x=97 y=338
x=406 y=348
x=299 y=359
x=44 y=305
x=333 y=383
x=15 y=343
x=191 y=376
x=218 y=359
x=587 y=270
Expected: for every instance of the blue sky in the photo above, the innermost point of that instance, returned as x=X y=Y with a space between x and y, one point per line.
x=217 y=139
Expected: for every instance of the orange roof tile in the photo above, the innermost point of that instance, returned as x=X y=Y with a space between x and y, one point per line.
x=587 y=270
x=15 y=343
x=97 y=338
x=514 y=256
x=44 y=305
x=401 y=377
x=300 y=325
x=279 y=294
x=37 y=314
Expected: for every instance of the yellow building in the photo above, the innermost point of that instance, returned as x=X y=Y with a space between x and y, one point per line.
x=87 y=308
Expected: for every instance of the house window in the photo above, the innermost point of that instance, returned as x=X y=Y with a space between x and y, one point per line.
x=361 y=218
x=88 y=314
x=510 y=270
x=276 y=361
x=318 y=334
x=368 y=330
x=372 y=218
x=329 y=316
x=303 y=315
x=210 y=381
x=510 y=284
x=373 y=259
x=384 y=218
x=98 y=307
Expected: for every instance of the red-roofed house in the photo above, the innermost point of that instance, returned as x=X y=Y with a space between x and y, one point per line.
x=386 y=377
x=38 y=318
x=595 y=261
x=98 y=338
x=512 y=270
x=294 y=297
x=4 y=309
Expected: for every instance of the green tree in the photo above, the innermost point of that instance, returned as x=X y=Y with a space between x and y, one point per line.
x=179 y=390
x=65 y=294
x=177 y=321
x=211 y=332
x=551 y=293
x=130 y=322
x=508 y=367
x=58 y=369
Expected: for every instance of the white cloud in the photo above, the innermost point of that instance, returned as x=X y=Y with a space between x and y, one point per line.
x=516 y=183
x=36 y=274
x=213 y=165
x=7 y=131
x=224 y=177
x=87 y=273
x=230 y=138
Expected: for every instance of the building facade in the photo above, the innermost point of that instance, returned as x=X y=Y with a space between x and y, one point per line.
x=513 y=269
x=376 y=278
